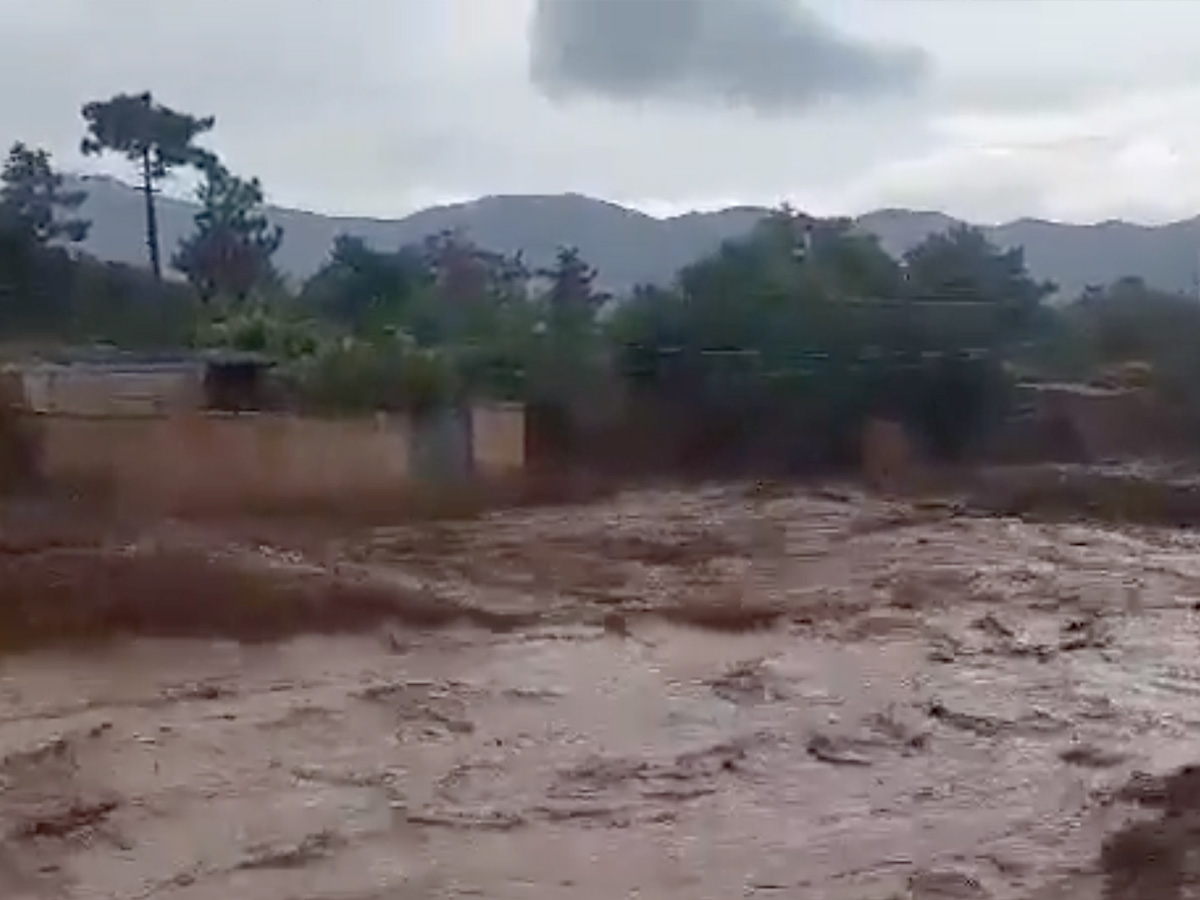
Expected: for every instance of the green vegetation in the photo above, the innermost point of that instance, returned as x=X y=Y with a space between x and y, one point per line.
x=33 y=202
x=804 y=326
x=229 y=255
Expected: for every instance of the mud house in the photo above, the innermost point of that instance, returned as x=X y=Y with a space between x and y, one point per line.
x=197 y=430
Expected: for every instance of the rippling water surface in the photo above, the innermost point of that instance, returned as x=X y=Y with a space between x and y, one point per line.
x=927 y=706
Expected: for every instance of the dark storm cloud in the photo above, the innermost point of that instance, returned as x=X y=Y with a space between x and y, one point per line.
x=771 y=55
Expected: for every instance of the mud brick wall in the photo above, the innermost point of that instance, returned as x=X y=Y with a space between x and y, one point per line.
x=202 y=460
x=226 y=460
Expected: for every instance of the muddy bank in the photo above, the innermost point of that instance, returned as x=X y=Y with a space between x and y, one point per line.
x=703 y=693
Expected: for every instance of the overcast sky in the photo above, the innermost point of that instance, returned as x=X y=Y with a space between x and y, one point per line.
x=988 y=109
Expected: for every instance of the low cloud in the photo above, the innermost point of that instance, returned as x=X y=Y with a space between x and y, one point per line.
x=774 y=56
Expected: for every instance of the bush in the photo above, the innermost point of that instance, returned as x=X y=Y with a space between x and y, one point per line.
x=260 y=327
x=353 y=375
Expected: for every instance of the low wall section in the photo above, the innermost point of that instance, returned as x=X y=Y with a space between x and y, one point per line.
x=213 y=460
x=498 y=438
x=198 y=460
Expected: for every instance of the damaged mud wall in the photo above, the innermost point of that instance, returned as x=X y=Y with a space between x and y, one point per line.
x=1085 y=424
x=1119 y=424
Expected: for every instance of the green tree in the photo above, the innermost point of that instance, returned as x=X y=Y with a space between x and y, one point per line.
x=156 y=138
x=962 y=266
x=806 y=326
x=33 y=200
x=572 y=291
x=471 y=287
x=1129 y=321
x=230 y=252
x=463 y=273
x=360 y=287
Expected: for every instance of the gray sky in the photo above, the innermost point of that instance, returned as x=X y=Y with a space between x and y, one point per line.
x=989 y=109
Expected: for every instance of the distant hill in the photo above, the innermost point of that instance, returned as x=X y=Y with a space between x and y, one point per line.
x=629 y=247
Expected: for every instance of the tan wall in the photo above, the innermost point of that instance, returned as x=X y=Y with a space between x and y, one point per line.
x=76 y=390
x=215 y=460
x=498 y=438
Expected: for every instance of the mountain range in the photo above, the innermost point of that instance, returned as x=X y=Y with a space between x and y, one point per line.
x=630 y=247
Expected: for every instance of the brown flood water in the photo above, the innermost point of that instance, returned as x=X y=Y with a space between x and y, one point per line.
x=929 y=706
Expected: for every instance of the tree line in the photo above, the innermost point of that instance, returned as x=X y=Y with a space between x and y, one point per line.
x=806 y=323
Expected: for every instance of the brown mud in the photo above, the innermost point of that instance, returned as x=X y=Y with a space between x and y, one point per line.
x=699 y=693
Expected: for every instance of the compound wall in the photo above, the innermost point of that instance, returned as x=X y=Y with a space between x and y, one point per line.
x=200 y=460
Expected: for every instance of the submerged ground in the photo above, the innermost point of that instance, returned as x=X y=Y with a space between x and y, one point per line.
x=694 y=694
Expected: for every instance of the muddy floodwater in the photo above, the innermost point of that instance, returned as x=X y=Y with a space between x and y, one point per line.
x=696 y=694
